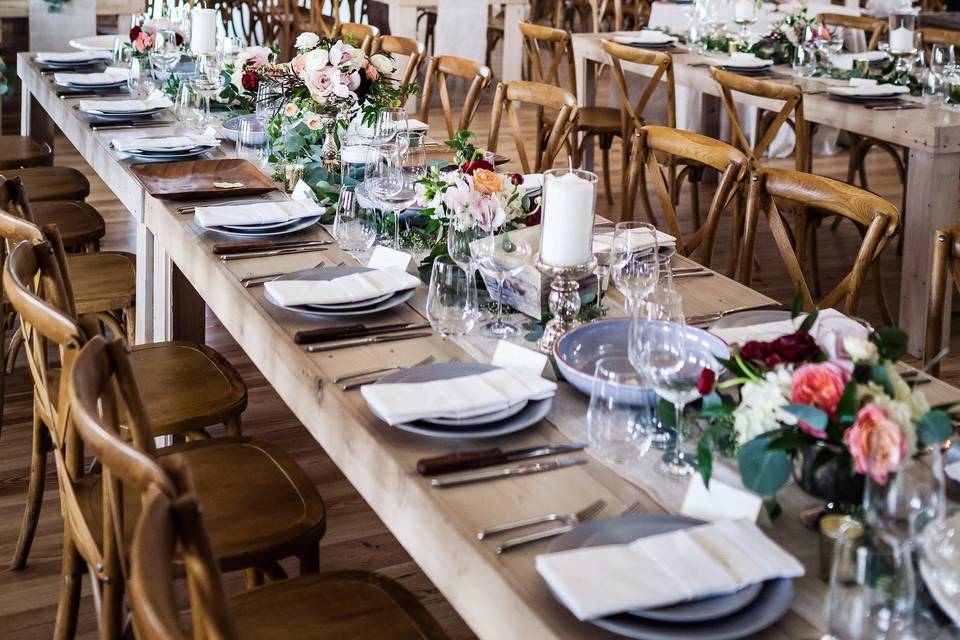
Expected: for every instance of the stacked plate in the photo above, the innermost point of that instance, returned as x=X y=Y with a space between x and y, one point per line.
x=646 y=39
x=74 y=60
x=186 y=151
x=346 y=309
x=109 y=79
x=725 y=617
x=95 y=43
x=868 y=93
x=744 y=64
x=509 y=420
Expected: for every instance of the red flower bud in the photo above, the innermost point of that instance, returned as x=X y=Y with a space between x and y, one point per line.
x=135 y=33
x=250 y=80
x=470 y=166
x=516 y=178
x=706 y=382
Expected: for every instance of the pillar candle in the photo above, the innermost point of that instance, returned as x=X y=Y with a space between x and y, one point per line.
x=203 y=31
x=567 y=235
x=744 y=10
x=901 y=40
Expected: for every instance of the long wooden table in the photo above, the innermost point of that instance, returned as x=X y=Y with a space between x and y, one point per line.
x=932 y=136
x=500 y=597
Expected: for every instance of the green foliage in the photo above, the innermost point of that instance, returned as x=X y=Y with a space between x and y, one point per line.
x=763 y=470
x=891 y=343
x=813 y=416
x=465 y=150
x=933 y=428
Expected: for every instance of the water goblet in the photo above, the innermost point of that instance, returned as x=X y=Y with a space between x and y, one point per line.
x=459 y=241
x=635 y=260
x=208 y=82
x=164 y=55
x=266 y=107
x=452 y=307
x=248 y=137
x=614 y=428
x=500 y=257
x=139 y=81
x=355 y=227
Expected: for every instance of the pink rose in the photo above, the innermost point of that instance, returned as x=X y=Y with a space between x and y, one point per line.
x=876 y=443
x=298 y=64
x=818 y=385
x=371 y=72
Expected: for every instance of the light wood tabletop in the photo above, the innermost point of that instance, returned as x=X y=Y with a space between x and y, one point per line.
x=931 y=135
x=499 y=596
x=21 y=8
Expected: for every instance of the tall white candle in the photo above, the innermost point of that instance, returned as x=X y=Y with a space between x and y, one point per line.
x=901 y=40
x=203 y=31
x=744 y=11
x=569 y=199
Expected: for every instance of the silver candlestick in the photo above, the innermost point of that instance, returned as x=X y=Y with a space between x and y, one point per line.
x=564 y=299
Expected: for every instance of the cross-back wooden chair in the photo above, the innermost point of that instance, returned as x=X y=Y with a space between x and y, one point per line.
x=287 y=19
x=933 y=35
x=945 y=268
x=873 y=28
x=443 y=67
x=877 y=219
x=602 y=123
x=650 y=143
x=540 y=96
x=272 y=512
x=401 y=46
x=173 y=532
x=363 y=35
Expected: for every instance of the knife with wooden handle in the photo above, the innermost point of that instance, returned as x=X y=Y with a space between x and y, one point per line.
x=465 y=460
x=327 y=334
x=359 y=342
x=229 y=248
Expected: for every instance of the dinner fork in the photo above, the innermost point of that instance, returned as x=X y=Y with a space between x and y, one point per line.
x=570 y=519
x=513 y=543
x=350 y=386
x=635 y=509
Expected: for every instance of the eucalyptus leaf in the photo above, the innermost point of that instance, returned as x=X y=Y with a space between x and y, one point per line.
x=933 y=428
x=762 y=469
x=813 y=416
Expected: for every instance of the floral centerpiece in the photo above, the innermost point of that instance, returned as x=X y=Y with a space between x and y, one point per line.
x=329 y=81
x=801 y=406
x=243 y=80
x=143 y=35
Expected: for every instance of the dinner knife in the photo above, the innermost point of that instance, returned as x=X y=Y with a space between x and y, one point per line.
x=272 y=252
x=359 y=342
x=326 y=334
x=463 y=460
x=67 y=95
x=124 y=125
x=506 y=472
x=229 y=248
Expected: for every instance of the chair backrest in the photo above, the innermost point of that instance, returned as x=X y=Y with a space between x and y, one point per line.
x=877 y=218
x=663 y=68
x=245 y=19
x=873 y=28
x=945 y=267
x=555 y=43
x=650 y=143
x=932 y=36
x=586 y=12
x=401 y=46
x=363 y=35
x=439 y=69
x=791 y=98
x=286 y=19
x=541 y=96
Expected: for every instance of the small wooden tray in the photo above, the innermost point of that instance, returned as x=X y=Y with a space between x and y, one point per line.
x=194 y=179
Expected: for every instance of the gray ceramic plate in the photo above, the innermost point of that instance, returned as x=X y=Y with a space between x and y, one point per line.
x=329 y=273
x=767 y=605
x=290 y=227
x=530 y=414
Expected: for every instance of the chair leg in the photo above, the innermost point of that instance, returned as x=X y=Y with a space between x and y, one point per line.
x=885 y=314
x=233 y=426
x=310 y=559
x=38 y=478
x=111 y=621
x=253 y=577
x=606 y=141
x=68 y=606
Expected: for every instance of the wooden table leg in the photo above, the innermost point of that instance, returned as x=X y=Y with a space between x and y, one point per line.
x=933 y=184
x=512 y=42
x=179 y=311
x=145 y=263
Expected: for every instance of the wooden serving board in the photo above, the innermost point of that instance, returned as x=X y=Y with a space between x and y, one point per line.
x=194 y=179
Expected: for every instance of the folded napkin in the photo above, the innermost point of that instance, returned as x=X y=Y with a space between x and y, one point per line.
x=416 y=125
x=156 y=100
x=845 y=60
x=532 y=182
x=604 y=241
x=665 y=569
x=140 y=143
x=355 y=287
x=741 y=60
x=110 y=75
x=828 y=320
x=863 y=87
x=259 y=213
x=646 y=36
x=456 y=397
x=74 y=56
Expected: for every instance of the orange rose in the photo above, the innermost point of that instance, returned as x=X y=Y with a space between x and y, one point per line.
x=877 y=443
x=486 y=181
x=818 y=385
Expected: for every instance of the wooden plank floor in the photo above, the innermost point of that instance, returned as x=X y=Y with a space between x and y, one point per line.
x=356 y=538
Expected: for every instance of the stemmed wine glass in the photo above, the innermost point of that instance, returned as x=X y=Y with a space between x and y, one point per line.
x=354 y=227
x=389 y=184
x=603 y=251
x=207 y=81
x=139 y=81
x=164 y=55
x=452 y=298
x=499 y=257
x=267 y=105
x=635 y=262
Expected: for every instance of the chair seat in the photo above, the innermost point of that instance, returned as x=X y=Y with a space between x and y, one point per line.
x=103 y=281
x=78 y=222
x=594 y=120
x=339 y=604
x=23 y=151
x=258 y=504
x=51 y=183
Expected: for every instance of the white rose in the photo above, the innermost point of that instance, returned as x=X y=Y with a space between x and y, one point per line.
x=358 y=59
x=316 y=60
x=761 y=406
x=381 y=63
x=291 y=110
x=860 y=350
x=306 y=40
x=314 y=122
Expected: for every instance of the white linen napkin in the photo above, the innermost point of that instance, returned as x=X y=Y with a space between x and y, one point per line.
x=864 y=87
x=258 y=213
x=665 y=569
x=133 y=144
x=355 y=287
x=741 y=60
x=456 y=397
x=110 y=75
x=845 y=60
x=532 y=182
x=828 y=320
x=73 y=56
x=645 y=36
x=157 y=99
x=603 y=241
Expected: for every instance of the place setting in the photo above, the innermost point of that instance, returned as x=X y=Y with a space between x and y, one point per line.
x=129 y=109
x=646 y=39
x=72 y=60
x=109 y=78
x=743 y=63
x=258 y=218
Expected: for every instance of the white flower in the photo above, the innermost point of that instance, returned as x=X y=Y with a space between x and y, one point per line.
x=313 y=122
x=291 y=110
x=381 y=63
x=315 y=60
x=306 y=40
x=761 y=405
x=859 y=349
x=249 y=57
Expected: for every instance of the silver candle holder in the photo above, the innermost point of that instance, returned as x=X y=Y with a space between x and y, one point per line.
x=564 y=299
